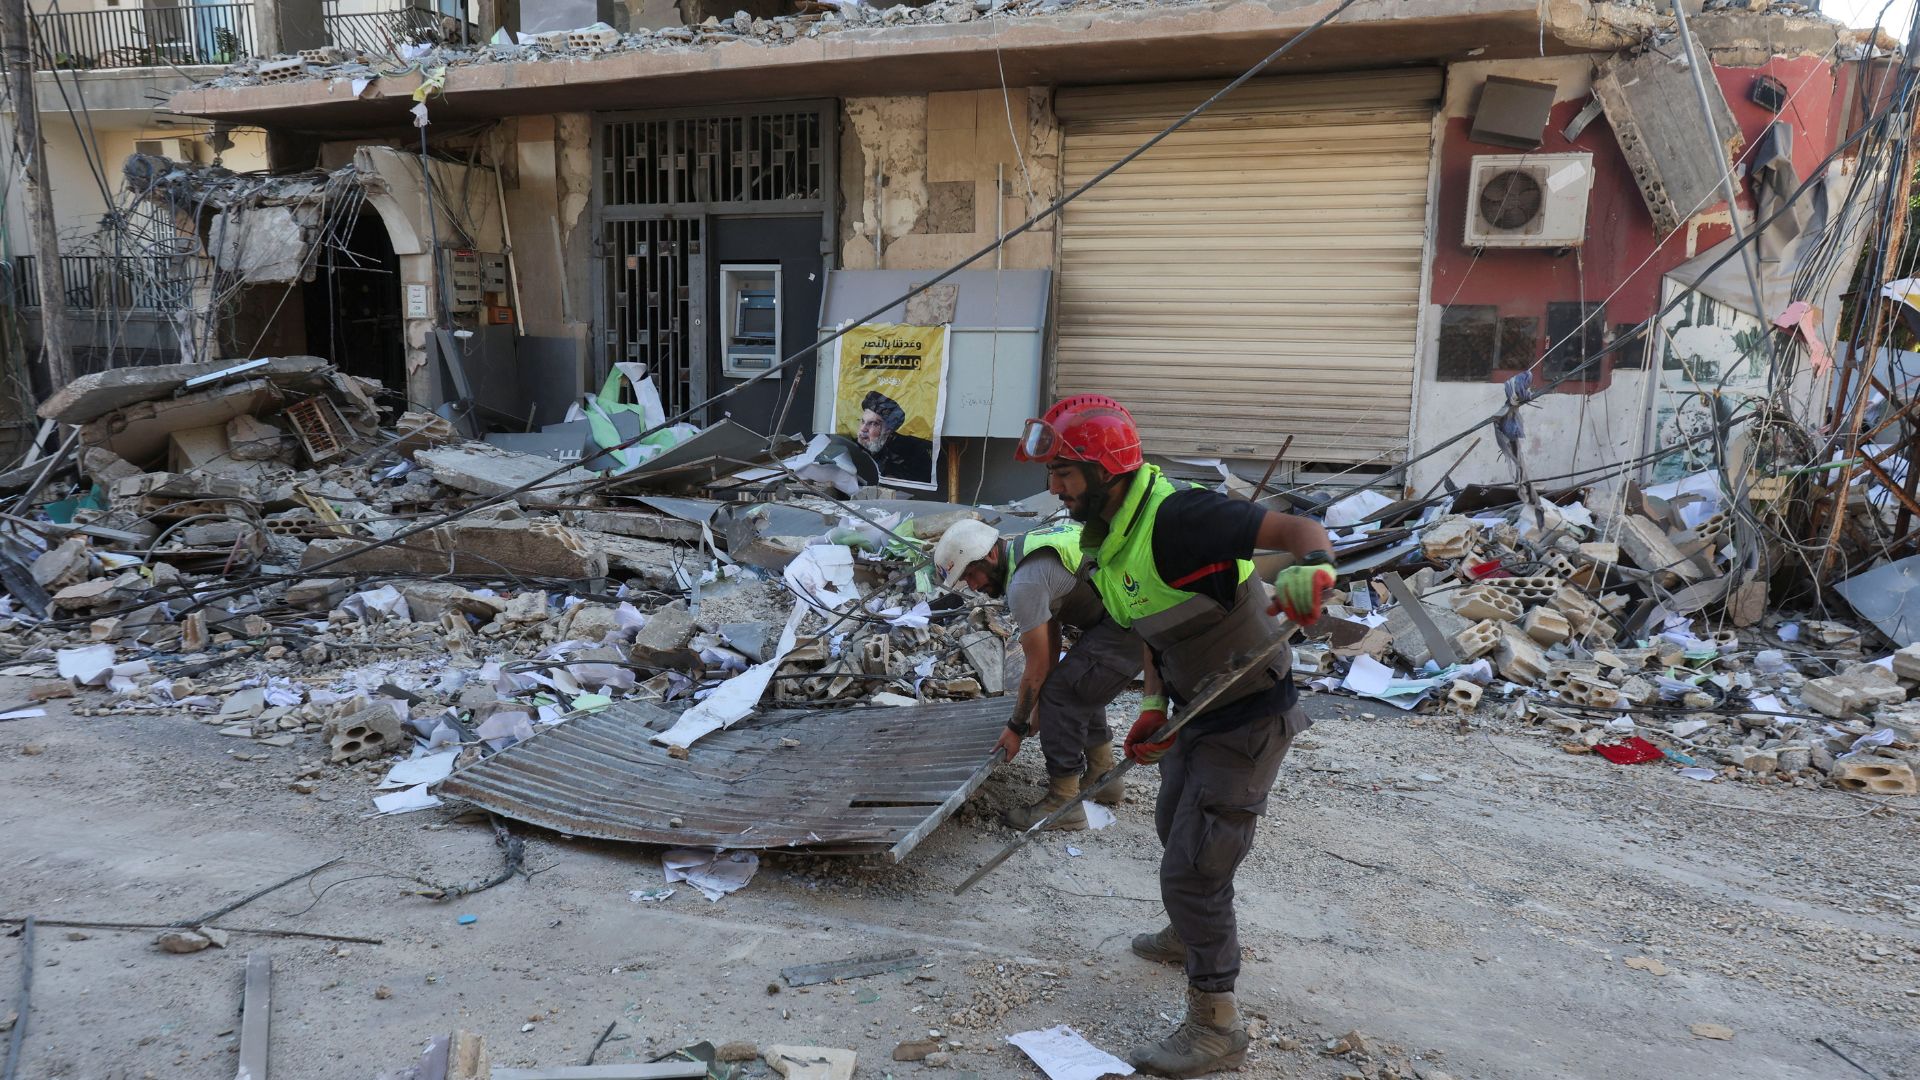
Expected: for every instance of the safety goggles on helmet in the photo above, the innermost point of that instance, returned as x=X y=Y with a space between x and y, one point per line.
x=1039 y=443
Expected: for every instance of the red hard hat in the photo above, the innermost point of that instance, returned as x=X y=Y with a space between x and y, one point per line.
x=1085 y=427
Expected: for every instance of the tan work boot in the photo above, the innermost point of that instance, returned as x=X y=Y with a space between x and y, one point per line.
x=1061 y=790
x=1164 y=946
x=1210 y=1039
x=1099 y=760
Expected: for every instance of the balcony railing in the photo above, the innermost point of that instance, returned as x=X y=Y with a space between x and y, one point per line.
x=101 y=282
x=144 y=37
x=376 y=31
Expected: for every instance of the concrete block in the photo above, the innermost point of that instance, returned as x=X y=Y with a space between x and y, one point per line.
x=1906 y=663
x=1449 y=538
x=250 y=438
x=372 y=732
x=1875 y=775
x=1312 y=661
x=667 y=628
x=1477 y=640
x=1759 y=761
x=62 y=565
x=527 y=607
x=1638 y=691
x=1486 y=602
x=474 y=546
x=196 y=448
x=1591 y=692
x=592 y=622
x=1581 y=613
x=1527 y=591
x=1606 y=554
x=277 y=71
x=1840 y=696
x=1518 y=659
x=486 y=470
x=1547 y=626
x=1647 y=547
x=427 y=601
x=1464 y=695
x=317 y=594
x=1792 y=758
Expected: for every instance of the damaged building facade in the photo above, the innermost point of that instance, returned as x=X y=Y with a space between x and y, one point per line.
x=1365 y=245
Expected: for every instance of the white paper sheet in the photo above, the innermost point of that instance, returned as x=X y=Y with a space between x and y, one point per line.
x=427 y=769
x=405 y=801
x=89 y=665
x=1099 y=817
x=823 y=573
x=714 y=873
x=736 y=697
x=22 y=714
x=1063 y=1054
x=1367 y=677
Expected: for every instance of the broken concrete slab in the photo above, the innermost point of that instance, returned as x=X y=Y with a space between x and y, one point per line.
x=427 y=601
x=987 y=654
x=472 y=546
x=1647 y=547
x=667 y=628
x=92 y=396
x=486 y=470
x=64 y=564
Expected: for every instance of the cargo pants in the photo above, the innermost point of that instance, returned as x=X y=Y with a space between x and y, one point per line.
x=1213 y=790
x=1072 y=707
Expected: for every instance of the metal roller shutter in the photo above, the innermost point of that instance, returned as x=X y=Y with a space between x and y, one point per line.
x=1257 y=275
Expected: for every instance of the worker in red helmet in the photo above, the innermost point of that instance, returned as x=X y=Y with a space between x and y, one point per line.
x=1173 y=564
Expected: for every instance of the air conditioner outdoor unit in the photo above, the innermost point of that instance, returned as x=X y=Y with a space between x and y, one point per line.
x=1529 y=200
x=183 y=150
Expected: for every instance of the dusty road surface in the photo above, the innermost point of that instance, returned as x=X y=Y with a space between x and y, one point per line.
x=1470 y=903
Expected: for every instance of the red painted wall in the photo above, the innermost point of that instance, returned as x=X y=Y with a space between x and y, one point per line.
x=1619 y=228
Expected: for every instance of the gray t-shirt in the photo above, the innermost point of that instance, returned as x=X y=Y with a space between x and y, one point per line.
x=1039 y=589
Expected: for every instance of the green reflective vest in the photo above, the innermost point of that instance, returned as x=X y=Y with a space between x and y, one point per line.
x=1191 y=635
x=1081 y=607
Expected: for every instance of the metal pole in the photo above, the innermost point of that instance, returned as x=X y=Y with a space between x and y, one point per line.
x=15 y=38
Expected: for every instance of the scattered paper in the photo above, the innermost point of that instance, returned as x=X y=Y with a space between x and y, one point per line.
x=823 y=574
x=1099 y=817
x=1063 y=1054
x=22 y=714
x=1698 y=774
x=649 y=896
x=1368 y=677
x=88 y=666
x=1349 y=511
x=406 y=801
x=360 y=86
x=1073 y=852
x=427 y=769
x=378 y=605
x=714 y=873
x=736 y=697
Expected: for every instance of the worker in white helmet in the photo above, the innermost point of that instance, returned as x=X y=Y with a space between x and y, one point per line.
x=1047 y=584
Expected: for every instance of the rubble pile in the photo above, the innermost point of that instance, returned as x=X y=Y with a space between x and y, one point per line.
x=250 y=546
x=815 y=18
x=1621 y=632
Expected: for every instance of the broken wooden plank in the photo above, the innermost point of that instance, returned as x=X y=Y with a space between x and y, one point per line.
x=857 y=968
x=255 y=1008
x=656 y=1070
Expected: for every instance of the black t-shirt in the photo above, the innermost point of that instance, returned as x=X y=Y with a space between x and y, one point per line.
x=1198 y=539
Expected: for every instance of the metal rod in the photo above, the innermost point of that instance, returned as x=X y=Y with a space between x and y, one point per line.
x=22 y=1005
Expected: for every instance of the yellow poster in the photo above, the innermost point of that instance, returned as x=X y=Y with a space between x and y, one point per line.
x=890 y=396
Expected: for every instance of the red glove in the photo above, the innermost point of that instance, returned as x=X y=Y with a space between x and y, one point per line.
x=1153 y=717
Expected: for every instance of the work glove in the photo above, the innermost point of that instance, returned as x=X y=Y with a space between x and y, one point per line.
x=1153 y=717
x=1300 y=590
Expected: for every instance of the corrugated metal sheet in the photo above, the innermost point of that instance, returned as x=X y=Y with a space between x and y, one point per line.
x=1256 y=275
x=844 y=781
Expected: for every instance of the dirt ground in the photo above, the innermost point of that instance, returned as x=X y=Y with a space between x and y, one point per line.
x=1469 y=902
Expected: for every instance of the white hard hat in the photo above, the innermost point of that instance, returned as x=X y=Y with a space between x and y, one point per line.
x=963 y=544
